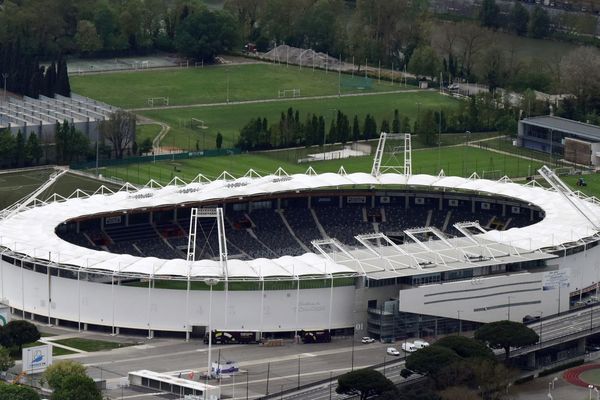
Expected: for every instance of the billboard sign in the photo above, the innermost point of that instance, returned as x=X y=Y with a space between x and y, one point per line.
x=37 y=359
x=556 y=279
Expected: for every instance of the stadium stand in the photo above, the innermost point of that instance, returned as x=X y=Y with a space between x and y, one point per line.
x=262 y=232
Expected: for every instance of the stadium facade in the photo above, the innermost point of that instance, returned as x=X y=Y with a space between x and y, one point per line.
x=388 y=255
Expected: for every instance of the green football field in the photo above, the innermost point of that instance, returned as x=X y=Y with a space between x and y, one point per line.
x=16 y=185
x=217 y=84
x=460 y=160
x=229 y=119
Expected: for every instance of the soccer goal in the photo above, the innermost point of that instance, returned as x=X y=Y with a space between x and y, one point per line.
x=289 y=93
x=158 y=101
x=491 y=174
x=196 y=123
x=562 y=171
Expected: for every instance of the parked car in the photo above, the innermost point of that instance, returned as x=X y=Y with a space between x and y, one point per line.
x=409 y=347
x=420 y=344
x=367 y=339
x=392 y=351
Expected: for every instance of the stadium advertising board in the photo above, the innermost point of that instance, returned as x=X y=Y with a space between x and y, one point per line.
x=556 y=279
x=37 y=359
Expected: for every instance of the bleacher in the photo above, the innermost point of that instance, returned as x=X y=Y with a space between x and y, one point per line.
x=261 y=232
x=303 y=224
x=344 y=224
x=271 y=231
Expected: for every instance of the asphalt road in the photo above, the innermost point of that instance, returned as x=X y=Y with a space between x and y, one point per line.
x=263 y=369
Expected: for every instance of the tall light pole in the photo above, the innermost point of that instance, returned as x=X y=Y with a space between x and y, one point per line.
x=509 y=308
x=459 y=323
x=210 y=282
x=5 y=77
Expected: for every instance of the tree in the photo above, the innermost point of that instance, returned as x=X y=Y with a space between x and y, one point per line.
x=580 y=76
x=33 y=149
x=465 y=347
x=493 y=68
x=459 y=392
x=56 y=374
x=396 y=122
x=364 y=382
x=119 y=130
x=539 y=23
x=7 y=147
x=19 y=149
x=519 y=18
x=204 y=34
x=87 y=37
x=5 y=361
x=489 y=14
x=424 y=62
x=430 y=360
x=355 y=129
x=21 y=332
x=77 y=387
x=145 y=146
x=506 y=334
x=219 y=140
x=17 y=392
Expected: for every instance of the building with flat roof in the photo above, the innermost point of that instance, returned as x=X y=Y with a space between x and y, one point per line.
x=40 y=116
x=574 y=141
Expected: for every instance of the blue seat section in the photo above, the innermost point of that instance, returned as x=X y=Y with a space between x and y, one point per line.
x=255 y=230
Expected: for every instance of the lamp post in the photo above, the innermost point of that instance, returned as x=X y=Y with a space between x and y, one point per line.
x=590 y=387
x=459 y=323
x=210 y=282
x=509 y=308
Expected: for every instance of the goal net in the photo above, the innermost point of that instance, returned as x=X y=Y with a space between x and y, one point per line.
x=289 y=93
x=157 y=101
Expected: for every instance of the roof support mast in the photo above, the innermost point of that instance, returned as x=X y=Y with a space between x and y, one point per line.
x=568 y=195
x=208 y=213
x=405 y=148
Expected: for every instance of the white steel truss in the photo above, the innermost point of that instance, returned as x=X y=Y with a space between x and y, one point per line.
x=365 y=241
x=406 y=149
x=216 y=213
x=568 y=195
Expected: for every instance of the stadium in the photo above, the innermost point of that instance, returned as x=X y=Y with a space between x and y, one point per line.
x=387 y=254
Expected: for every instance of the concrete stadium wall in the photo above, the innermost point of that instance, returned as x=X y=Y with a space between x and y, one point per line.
x=163 y=309
x=486 y=299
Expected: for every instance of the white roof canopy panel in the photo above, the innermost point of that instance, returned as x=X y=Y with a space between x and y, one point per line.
x=32 y=231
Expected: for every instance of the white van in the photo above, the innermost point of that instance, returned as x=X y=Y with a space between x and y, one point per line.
x=409 y=347
x=420 y=344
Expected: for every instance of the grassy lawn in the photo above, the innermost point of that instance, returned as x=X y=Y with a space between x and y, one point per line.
x=229 y=119
x=146 y=131
x=56 y=351
x=461 y=161
x=90 y=345
x=210 y=84
x=16 y=185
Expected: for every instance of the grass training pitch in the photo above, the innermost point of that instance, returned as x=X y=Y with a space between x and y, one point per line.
x=229 y=119
x=459 y=160
x=213 y=84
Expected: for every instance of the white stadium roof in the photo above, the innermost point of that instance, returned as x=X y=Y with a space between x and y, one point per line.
x=32 y=231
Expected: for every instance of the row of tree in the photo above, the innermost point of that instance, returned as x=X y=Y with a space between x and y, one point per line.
x=19 y=151
x=518 y=20
x=23 y=74
x=292 y=131
x=47 y=29
x=456 y=367
x=482 y=112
